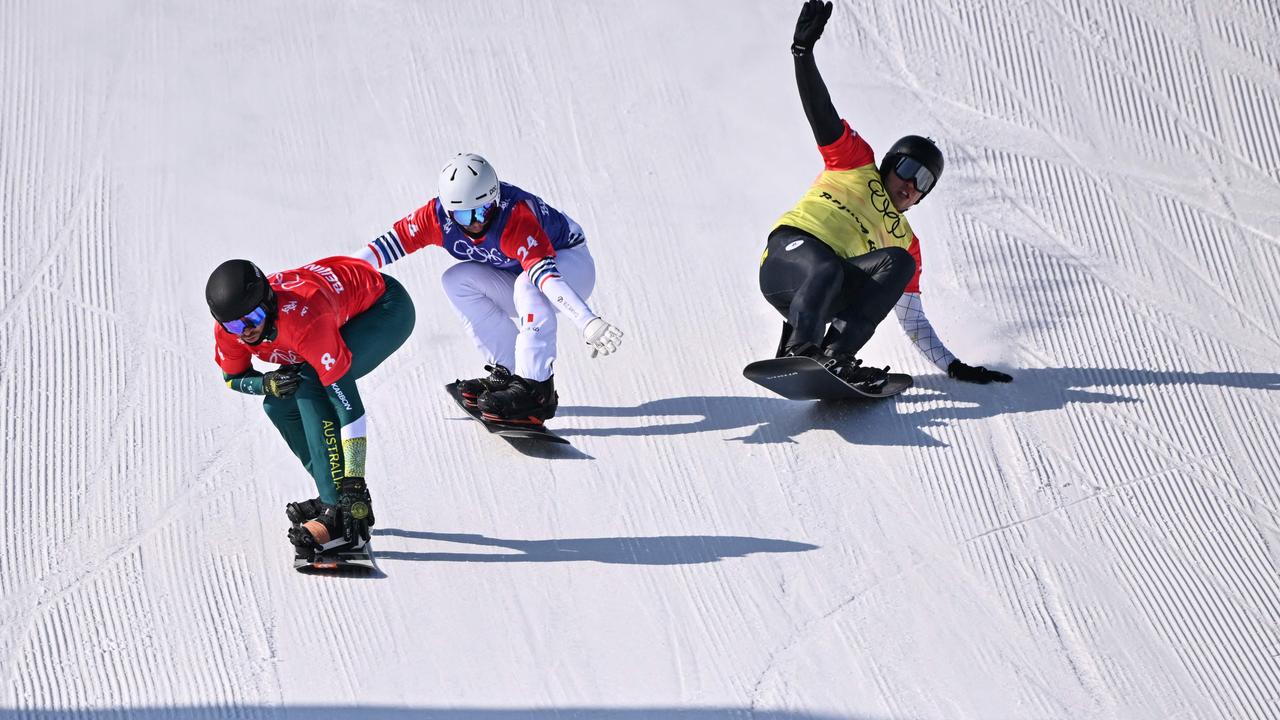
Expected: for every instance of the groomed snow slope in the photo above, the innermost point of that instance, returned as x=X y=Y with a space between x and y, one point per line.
x=1097 y=540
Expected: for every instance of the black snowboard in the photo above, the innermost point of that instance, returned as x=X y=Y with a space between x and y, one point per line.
x=338 y=561
x=803 y=378
x=511 y=431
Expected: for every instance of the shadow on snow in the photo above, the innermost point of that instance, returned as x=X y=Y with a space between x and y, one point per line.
x=376 y=712
x=894 y=421
x=667 y=550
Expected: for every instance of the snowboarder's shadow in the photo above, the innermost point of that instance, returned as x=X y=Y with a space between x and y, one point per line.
x=934 y=401
x=662 y=550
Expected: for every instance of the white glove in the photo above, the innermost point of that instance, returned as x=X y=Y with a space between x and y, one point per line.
x=601 y=337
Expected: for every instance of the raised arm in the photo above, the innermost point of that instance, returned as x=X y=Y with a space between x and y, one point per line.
x=413 y=232
x=823 y=118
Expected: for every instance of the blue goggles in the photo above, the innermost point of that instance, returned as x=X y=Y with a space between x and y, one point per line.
x=256 y=317
x=480 y=214
x=910 y=169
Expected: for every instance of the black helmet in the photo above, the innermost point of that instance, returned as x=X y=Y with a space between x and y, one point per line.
x=235 y=288
x=920 y=149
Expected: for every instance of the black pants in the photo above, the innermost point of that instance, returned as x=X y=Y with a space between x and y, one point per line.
x=811 y=286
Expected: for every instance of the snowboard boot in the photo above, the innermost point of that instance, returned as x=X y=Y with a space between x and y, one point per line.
x=299 y=512
x=851 y=370
x=523 y=401
x=471 y=390
x=303 y=552
x=321 y=533
x=805 y=349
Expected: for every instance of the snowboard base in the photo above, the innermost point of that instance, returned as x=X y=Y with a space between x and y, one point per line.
x=803 y=378
x=511 y=431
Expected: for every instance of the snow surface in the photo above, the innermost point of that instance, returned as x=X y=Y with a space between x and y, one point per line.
x=1097 y=540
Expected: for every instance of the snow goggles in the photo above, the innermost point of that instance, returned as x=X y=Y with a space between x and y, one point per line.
x=480 y=214
x=911 y=169
x=256 y=317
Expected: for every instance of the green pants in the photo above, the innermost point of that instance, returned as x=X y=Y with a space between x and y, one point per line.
x=309 y=421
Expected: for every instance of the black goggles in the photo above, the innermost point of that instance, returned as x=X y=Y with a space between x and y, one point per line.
x=911 y=169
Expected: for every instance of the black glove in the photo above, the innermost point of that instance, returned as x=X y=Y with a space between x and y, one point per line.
x=357 y=509
x=980 y=375
x=282 y=383
x=813 y=18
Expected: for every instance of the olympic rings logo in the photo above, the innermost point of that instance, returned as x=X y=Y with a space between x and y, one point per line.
x=880 y=202
x=462 y=248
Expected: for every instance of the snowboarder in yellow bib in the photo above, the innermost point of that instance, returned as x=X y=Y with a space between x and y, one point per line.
x=844 y=256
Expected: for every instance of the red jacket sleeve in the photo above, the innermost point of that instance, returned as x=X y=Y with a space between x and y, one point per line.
x=914 y=249
x=848 y=152
x=230 y=355
x=420 y=228
x=523 y=237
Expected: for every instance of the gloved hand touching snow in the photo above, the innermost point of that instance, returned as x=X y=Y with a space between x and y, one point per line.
x=979 y=374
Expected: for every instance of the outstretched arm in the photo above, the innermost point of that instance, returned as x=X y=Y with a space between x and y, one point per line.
x=415 y=231
x=601 y=336
x=823 y=118
x=524 y=239
x=916 y=325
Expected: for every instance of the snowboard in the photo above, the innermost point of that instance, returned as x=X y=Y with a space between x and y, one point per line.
x=511 y=431
x=338 y=561
x=803 y=378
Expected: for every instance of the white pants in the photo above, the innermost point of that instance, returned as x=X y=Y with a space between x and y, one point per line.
x=509 y=319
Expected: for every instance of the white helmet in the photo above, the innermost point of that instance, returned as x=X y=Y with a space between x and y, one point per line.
x=467 y=181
